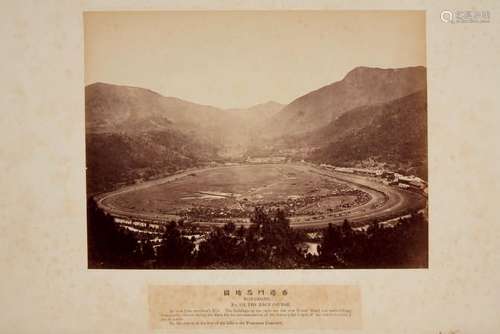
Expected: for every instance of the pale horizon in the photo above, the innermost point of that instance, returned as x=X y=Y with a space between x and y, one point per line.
x=235 y=60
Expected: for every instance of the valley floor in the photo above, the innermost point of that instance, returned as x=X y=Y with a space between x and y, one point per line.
x=312 y=196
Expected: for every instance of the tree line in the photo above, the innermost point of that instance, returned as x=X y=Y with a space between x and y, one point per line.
x=268 y=243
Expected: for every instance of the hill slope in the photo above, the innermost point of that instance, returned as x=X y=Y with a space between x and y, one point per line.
x=372 y=114
x=113 y=108
x=134 y=133
x=119 y=158
x=393 y=133
x=360 y=87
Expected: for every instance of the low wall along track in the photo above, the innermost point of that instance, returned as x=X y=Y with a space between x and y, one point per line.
x=312 y=196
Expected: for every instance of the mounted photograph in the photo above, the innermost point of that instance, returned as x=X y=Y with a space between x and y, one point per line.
x=256 y=139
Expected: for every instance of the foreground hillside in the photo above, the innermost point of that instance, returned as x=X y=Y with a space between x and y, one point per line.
x=267 y=243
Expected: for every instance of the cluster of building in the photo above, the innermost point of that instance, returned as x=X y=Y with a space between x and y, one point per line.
x=405 y=182
x=387 y=177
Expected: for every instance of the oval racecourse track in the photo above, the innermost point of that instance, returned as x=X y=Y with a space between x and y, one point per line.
x=148 y=201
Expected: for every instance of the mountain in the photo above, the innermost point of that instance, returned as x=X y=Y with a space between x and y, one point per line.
x=255 y=117
x=267 y=109
x=120 y=158
x=114 y=108
x=134 y=133
x=360 y=87
x=392 y=133
x=372 y=114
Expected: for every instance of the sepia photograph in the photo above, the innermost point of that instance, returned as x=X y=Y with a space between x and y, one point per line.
x=250 y=166
x=256 y=139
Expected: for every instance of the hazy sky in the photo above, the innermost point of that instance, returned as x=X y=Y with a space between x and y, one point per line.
x=238 y=59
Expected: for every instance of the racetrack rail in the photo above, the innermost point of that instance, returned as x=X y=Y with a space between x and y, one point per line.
x=387 y=202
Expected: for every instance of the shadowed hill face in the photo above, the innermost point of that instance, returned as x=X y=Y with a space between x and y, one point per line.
x=394 y=133
x=360 y=87
x=113 y=158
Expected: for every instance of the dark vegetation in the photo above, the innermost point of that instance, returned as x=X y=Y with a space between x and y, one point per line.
x=362 y=86
x=404 y=245
x=111 y=246
x=393 y=133
x=114 y=159
x=373 y=116
x=269 y=243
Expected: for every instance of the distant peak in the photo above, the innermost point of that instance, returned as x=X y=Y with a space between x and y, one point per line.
x=366 y=69
x=271 y=103
x=105 y=85
x=97 y=84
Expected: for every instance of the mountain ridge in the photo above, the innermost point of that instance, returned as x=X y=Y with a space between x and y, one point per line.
x=136 y=133
x=394 y=135
x=360 y=86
